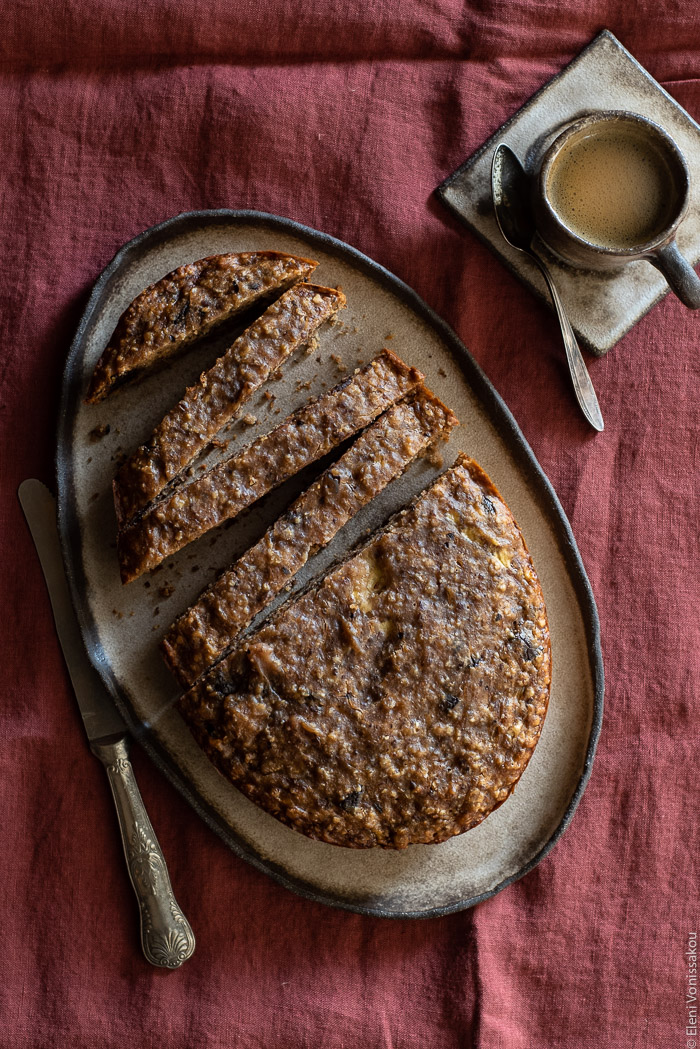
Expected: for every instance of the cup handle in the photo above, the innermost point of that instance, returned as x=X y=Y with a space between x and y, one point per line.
x=680 y=275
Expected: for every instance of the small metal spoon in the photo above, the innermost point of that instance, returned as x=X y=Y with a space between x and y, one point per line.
x=511 y=203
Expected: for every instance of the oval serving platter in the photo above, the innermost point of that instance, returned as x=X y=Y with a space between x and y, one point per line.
x=123 y=625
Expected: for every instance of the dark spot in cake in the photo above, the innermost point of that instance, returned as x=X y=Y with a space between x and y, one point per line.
x=489 y=505
x=351 y=800
x=449 y=702
x=530 y=651
x=182 y=313
x=222 y=685
x=475 y=660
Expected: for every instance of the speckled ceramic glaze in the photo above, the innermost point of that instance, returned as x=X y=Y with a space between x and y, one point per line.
x=123 y=625
x=602 y=306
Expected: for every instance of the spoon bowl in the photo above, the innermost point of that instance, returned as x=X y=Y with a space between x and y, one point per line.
x=511 y=193
x=510 y=188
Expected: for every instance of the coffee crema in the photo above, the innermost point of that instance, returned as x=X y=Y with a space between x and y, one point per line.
x=613 y=188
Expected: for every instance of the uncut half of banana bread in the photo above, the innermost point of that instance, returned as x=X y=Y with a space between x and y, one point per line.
x=380 y=454
x=399 y=699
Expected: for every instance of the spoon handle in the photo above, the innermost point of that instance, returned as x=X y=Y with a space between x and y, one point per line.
x=585 y=394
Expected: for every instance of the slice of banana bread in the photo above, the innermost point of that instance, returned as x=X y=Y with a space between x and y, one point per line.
x=400 y=699
x=221 y=392
x=235 y=483
x=386 y=448
x=185 y=305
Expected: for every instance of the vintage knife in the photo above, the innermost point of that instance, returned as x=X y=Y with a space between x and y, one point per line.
x=166 y=936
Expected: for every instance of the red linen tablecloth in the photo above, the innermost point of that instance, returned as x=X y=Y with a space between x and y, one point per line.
x=117 y=114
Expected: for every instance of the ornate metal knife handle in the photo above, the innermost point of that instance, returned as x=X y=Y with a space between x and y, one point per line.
x=166 y=936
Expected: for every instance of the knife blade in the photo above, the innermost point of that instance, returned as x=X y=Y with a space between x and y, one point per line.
x=166 y=936
x=99 y=714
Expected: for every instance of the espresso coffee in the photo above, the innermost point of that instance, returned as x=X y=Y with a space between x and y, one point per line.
x=613 y=187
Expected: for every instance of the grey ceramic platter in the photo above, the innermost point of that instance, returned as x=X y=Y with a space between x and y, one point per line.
x=602 y=307
x=123 y=625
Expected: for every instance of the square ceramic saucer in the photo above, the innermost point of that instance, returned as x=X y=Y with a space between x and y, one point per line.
x=602 y=307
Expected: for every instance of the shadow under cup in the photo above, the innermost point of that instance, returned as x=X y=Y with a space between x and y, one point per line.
x=613 y=188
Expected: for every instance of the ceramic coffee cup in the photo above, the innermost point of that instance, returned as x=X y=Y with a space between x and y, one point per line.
x=613 y=187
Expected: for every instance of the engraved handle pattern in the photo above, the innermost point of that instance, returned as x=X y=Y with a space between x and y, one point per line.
x=166 y=936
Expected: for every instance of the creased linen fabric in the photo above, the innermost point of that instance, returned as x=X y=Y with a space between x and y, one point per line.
x=115 y=115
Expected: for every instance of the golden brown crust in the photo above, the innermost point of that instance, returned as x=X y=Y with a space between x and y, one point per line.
x=204 y=633
x=237 y=482
x=220 y=394
x=185 y=305
x=399 y=700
